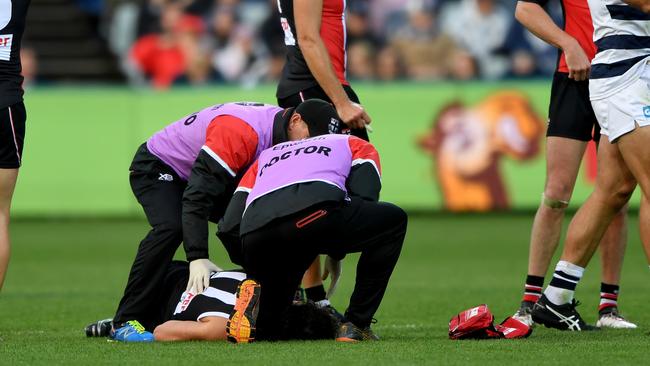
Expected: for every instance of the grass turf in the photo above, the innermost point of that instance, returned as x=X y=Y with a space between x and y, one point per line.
x=65 y=274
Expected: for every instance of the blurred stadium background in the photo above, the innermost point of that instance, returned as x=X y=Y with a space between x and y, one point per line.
x=458 y=92
x=102 y=75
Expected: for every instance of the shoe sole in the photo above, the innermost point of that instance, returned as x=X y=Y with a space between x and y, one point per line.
x=347 y=340
x=240 y=327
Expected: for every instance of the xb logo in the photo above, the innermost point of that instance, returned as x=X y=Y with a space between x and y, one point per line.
x=166 y=177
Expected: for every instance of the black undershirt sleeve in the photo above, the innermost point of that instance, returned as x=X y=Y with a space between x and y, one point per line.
x=364 y=182
x=208 y=191
x=228 y=231
x=541 y=3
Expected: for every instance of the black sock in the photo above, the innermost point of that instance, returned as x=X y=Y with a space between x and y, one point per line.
x=316 y=293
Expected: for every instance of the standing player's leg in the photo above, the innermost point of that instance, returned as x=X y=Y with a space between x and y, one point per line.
x=644 y=229
x=12 y=136
x=563 y=159
x=612 y=252
x=614 y=186
x=635 y=148
x=8 y=179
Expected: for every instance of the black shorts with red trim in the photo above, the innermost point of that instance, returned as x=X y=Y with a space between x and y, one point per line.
x=570 y=113
x=12 y=135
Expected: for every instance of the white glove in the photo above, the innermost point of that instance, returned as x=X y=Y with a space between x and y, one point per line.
x=200 y=271
x=334 y=268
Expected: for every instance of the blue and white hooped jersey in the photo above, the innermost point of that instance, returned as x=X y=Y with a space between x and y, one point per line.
x=622 y=36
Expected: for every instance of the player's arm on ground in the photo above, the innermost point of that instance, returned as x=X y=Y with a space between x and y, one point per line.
x=230 y=146
x=228 y=231
x=364 y=180
x=308 y=15
x=643 y=5
x=531 y=14
x=211 y=328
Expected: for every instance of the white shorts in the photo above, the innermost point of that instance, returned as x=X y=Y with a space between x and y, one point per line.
x=619 y=113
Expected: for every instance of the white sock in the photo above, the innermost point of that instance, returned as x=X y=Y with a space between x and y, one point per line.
x=562 y=287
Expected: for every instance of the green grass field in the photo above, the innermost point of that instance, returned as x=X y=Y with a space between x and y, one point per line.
x=65 y=274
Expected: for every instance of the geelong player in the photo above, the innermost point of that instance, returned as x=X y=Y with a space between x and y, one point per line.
x=571 y=125
x=180 y=315
x=311 y=197
x=12 y=115
x=314 y=33
x=185 y=174
x=620 y=95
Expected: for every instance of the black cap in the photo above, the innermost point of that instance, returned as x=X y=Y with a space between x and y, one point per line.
x=320 y=116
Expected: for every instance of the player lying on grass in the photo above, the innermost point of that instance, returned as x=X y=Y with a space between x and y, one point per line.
x=185 y=174
x=179 y=315
x=305 y=198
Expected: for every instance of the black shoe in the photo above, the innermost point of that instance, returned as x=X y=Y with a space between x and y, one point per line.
x=349 y=332
x=563 y=317
x=101 y=328
x=325 y=304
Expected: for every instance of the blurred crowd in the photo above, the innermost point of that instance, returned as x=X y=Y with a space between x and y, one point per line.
x=162 y=42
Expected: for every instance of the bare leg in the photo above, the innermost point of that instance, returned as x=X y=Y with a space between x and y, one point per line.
x=8 y=179
x=614 y=186
x=612 y=248
x=644 y=228
x=563 y=158
x=635 y=149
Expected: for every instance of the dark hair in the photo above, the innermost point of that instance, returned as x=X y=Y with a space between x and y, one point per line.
x=307 y=322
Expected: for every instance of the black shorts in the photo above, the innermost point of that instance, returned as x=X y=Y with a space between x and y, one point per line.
x=12 y=135
x=318 y=92
x=570 y=113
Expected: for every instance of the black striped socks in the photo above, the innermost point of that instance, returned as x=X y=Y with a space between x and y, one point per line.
x=565 y=279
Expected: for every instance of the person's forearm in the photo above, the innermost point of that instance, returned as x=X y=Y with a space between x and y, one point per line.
x=179 y=330
x=318 y=61
x=207 y=186
x=537 y=21
x=643 y=5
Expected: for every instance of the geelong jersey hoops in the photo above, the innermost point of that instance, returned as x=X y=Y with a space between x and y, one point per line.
x=296 y=75
x=622 y=35
x=619 y=82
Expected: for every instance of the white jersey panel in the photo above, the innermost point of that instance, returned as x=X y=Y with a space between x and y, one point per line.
x=622 y=36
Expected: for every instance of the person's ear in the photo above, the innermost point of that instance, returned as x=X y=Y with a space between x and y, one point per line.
x=294 y=120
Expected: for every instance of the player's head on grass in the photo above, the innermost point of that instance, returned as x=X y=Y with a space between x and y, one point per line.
x=311 y=118
x=307 y=322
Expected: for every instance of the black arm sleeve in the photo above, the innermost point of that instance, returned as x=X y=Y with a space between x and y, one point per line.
x=208 y=191
x=228 y=231
x=541 y=3
x=364 y=182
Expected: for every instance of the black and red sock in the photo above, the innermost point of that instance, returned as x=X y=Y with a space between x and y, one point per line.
x=533 y=288
x=608 y=297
